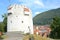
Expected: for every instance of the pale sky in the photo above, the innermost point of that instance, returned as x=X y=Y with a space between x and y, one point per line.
x=37 y=6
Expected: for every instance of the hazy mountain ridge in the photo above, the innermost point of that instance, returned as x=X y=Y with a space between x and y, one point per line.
x=46 y=17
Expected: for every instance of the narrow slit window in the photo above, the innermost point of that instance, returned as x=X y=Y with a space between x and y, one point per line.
x=11 y=21
x=22 y=21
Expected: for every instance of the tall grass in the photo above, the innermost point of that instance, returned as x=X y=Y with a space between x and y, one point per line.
x=35 y=37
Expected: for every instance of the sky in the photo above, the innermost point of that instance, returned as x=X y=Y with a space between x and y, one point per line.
x=37 y=6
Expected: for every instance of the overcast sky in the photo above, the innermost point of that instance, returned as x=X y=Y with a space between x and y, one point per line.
x=37 y=6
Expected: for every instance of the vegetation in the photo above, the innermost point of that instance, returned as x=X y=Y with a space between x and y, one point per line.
x=50 y=17
x=3 y=25
x=55 y=26
x=46 y=17
x=35 y=37
x=5 y=19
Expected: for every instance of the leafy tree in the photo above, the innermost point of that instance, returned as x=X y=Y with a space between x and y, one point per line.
x=2 y=25
x=55 y=26
x=5 y=22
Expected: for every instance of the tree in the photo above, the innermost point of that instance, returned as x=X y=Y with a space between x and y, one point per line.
x=5 y=19
x=55 y=26
x=5 y=22
x=2 y=25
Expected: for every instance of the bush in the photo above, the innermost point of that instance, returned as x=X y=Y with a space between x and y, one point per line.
x=34 y=37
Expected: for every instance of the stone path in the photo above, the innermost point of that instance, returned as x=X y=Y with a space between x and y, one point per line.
x=14 y=36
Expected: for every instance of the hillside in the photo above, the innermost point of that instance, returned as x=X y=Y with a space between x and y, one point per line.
x=46 y=17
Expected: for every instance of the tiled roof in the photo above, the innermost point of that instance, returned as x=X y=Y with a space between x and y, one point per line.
x=26 y=9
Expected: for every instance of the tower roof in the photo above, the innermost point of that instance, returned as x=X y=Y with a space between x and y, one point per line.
x=26 y=9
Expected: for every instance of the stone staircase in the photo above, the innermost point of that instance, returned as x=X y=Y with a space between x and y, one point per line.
x=14 y=36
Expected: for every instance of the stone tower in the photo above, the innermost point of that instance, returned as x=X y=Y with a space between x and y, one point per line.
x=19 y=19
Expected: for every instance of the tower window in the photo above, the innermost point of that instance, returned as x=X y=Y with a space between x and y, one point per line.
x=9 y=14
x=22 y=21
x=26 y=14
x=11 y=21
x=16 y=16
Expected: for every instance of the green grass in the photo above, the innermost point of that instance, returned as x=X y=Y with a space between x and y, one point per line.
x=3 y=36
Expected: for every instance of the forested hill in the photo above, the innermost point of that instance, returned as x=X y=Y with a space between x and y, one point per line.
x=46 y=17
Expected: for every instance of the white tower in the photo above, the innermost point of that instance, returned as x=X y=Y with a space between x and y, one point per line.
x=19 y=19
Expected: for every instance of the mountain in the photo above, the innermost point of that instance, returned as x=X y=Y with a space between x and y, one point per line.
x=46 y=17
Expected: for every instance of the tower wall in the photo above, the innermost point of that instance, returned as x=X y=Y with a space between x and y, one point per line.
x=19 y=19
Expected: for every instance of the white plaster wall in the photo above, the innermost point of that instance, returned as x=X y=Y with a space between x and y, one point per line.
x=17 y=17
